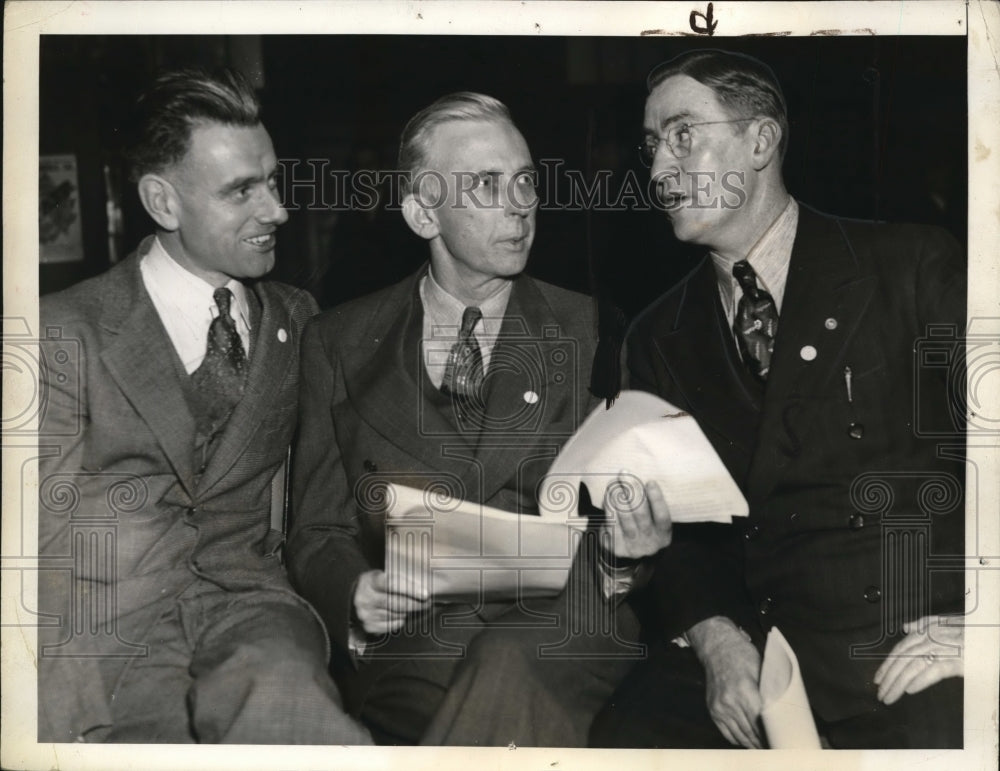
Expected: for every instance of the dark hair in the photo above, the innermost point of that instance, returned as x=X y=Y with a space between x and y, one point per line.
x=744 y=85
x=160 y=132
x=462 y=105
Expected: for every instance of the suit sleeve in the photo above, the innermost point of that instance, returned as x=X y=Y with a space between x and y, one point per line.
x=941 y=300
x=324 y=554
x=700 y=575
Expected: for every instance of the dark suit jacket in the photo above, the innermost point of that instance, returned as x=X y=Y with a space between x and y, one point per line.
x=369 y=413
x=126 y=520
x=847 y=537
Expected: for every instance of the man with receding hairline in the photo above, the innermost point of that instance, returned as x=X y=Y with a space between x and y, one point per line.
x=171 y=384
x=467 y=376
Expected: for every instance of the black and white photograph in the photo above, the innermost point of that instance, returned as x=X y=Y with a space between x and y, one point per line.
x=445 y=383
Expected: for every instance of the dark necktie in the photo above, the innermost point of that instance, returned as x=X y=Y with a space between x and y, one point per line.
x=222 y=374
x=463 y=374
x=756 y=321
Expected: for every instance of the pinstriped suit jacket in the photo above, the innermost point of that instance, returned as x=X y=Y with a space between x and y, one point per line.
x=126 y=521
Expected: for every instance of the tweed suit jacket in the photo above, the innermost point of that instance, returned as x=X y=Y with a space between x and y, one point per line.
x=126 y=519
x=856 y=505
x=369 y=414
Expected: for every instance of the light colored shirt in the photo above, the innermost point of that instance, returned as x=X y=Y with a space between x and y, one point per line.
x=769 y=258
x=186 y=305
x=443 y=320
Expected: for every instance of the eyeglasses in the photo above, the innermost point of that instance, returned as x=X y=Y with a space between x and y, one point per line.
x=678 y=139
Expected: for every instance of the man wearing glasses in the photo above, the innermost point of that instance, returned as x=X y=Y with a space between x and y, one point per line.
x=792 y=343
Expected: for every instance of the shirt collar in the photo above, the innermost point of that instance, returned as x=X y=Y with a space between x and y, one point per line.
x=444 y=310
x=189 y=294
x=769 y=258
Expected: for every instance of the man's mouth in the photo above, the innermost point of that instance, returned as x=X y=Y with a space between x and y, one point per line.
x=265 y=241
x=673 y=201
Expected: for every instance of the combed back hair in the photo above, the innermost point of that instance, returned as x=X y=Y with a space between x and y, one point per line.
x=177 y=101
x=745 y=86
x=462 y=105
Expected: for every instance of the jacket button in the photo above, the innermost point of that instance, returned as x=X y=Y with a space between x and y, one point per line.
x=370 y=467
x=873 y=594
x=856 y=430
x=766 y=606
x=857 y=521
x=751 y=532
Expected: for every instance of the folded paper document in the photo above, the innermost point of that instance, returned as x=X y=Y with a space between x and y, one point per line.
x=785 y=711
x=651 y=440
x=468 y=552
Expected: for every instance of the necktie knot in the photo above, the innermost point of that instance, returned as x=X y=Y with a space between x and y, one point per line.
x=746 y=277
x=223 y=298
x=470 y=317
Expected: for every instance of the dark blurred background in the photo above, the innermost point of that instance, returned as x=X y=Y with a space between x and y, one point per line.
x=878 y=131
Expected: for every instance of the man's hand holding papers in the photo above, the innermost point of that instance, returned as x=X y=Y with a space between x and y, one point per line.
x=653 y=441
x=382 y=608
x=472 y=552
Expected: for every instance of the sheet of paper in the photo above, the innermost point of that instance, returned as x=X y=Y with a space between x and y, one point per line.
x=651 y=440
x=468 y=552
x=785 y=710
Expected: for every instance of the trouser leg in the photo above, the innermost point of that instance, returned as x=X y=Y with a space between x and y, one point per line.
x=260 y=676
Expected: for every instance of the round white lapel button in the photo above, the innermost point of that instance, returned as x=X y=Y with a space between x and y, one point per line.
x=282 y=336
x=808 y=353
x=830 y=323
x=530 y=397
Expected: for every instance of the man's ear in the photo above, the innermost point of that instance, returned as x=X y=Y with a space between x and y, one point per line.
x=768 y=140
x=421 y=219
x=160 y=199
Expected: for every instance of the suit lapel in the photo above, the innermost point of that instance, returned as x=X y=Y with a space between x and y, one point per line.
x=141 y=360
x=700 y=355
x=270 y=359
x=385 y=388
x=825 y=283
x=531 y=359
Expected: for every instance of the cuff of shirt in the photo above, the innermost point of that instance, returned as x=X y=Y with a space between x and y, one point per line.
x=617 y=575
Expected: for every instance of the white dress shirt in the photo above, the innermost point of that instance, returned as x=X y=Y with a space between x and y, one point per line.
x=443 y=320
x=186 y=305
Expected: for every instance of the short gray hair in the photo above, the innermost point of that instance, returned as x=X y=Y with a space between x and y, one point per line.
x=462 y=105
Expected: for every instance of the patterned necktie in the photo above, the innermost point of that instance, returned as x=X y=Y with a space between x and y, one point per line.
x=222 y=374
x=756 y=321
x=463 y=374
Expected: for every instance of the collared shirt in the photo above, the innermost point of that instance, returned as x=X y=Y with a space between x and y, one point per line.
x=443 y=320
x=186 y=305
x=769 y=258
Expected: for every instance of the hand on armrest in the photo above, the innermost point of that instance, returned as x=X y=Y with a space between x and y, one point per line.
x=922 y=658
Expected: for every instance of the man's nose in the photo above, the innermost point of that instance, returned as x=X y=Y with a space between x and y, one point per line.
x=270 y=210
x=665 y=162
x=517 y=199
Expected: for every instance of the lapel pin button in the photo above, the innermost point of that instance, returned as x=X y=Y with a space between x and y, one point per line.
x=530 y=397
x=830 y=323
x=808 y=353
x=282 y=335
